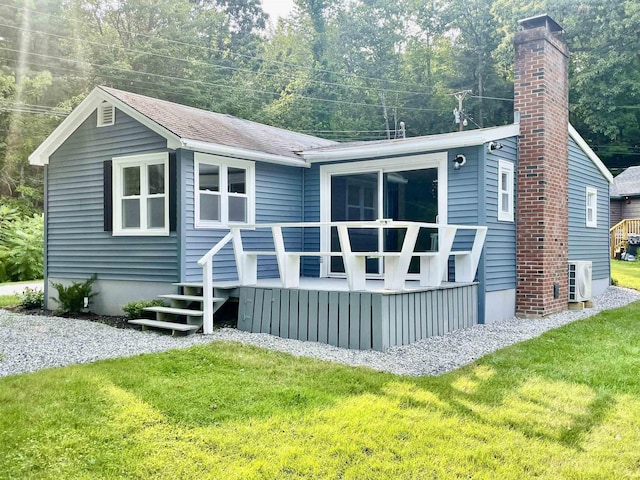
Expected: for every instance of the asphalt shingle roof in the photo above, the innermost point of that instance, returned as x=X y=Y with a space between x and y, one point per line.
x=220 y=129
x=627 y=184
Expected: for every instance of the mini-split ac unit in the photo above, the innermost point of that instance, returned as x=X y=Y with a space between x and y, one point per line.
x=579 y=281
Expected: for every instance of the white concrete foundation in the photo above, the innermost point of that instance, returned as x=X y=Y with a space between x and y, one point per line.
x=500 y=305
x=113 y=294
x=598 y=286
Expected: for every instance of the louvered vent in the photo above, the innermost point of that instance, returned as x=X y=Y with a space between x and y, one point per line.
x=106 y=115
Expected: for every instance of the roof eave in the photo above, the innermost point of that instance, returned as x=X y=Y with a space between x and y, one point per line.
x=241 y=153
x=414 y=145
x=573 y=133
x=41 y=155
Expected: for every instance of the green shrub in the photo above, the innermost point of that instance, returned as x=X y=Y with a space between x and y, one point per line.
x=21 y=246
x=31 y=299
x=135 y=309
x=71 y=299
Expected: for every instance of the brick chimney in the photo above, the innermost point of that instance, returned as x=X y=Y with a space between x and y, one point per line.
x=541 y=94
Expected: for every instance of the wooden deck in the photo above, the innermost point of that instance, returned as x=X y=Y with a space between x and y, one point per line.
x=324 y=310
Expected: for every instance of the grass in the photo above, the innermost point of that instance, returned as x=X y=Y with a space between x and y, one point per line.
x=564 y=405
x=627 y=274
x=9 y=300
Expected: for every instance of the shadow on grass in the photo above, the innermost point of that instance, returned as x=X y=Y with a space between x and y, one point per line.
x=241 y=404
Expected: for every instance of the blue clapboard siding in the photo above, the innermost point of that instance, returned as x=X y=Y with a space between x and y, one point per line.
x=311 y=265
x=77 y=245
x=462 y=195
x=278 y=199
x=587 y=243
x=500 y=246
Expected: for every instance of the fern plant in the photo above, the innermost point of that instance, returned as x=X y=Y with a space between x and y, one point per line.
x=71 y=299
x=21 y=247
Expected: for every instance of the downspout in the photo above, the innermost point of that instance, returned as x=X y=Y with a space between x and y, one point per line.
x=482 y=220
x=46 y=236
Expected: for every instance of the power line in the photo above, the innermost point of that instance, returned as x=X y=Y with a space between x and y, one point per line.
x=226 y=86
x=250 y=57
x=200 y=63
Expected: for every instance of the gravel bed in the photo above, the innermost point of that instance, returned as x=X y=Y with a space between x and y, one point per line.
x=30 y=343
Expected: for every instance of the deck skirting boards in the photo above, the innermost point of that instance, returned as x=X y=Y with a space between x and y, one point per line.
x=357 y=320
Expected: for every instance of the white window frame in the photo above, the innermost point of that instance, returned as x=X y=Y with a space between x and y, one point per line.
x=506 y=214
x=101 y=110
x=142 y=161
x=224 y=163
x=591 y=192
x=418 y=162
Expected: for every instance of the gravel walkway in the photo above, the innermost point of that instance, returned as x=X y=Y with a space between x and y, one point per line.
x=31 y=343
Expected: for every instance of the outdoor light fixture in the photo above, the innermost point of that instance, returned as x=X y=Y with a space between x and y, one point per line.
x=494 y=146
x=459 y=161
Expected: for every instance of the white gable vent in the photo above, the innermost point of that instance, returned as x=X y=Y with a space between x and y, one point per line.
x=579 y=281
x=106 y=115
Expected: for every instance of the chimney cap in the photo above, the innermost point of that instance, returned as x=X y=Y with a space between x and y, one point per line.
x=543 y=20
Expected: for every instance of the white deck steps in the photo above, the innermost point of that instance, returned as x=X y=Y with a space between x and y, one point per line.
x=174 y=327
x=188 y=298
x=189 y=303
x=175 y=311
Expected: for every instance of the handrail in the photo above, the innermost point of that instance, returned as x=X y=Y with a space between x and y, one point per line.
x=207 y=283
x=216 y=248
x=433 y=265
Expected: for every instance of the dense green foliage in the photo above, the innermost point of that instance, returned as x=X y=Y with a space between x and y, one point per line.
x=71 y=299
x=562 y=406
x=21 y=245
x=135 y=309
x=344 y=70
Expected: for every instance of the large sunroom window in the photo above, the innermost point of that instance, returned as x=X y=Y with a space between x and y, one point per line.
x=141 y=195
x=224 y=191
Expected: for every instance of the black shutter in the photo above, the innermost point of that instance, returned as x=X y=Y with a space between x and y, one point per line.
x=173 y=192
x=108 y=196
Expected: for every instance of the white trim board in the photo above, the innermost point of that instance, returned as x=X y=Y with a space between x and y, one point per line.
x=408 y=146
x=573 y=133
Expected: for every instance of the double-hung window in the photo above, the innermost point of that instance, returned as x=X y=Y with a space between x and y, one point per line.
x=141 y=195
x=591 y=207
x=224 y=191
x=505 y=191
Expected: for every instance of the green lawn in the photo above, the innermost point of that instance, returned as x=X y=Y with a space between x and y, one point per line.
x=564 y=405
x=9 y=300
x=627 y=274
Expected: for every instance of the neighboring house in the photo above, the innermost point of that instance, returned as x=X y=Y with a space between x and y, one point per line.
x=625 y=196
x=140 y=190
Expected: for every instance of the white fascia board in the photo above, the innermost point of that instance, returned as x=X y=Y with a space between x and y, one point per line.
x=590 y=153
x=41 y=155
x=241 y=153
x=414 y=145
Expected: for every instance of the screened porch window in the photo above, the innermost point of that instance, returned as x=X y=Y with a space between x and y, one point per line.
x=224 y=191
x=140 y=195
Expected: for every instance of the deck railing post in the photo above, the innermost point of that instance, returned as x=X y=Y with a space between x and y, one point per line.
x=399 y=266
x=354 y=266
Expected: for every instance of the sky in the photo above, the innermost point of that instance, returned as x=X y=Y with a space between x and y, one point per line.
x=277 y=8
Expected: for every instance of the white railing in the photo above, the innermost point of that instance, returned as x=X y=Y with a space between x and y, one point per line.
x=433 y=264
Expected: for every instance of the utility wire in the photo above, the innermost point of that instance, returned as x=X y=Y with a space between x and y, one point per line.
x=250 y=57
x=220 y=85
x=199 y=63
